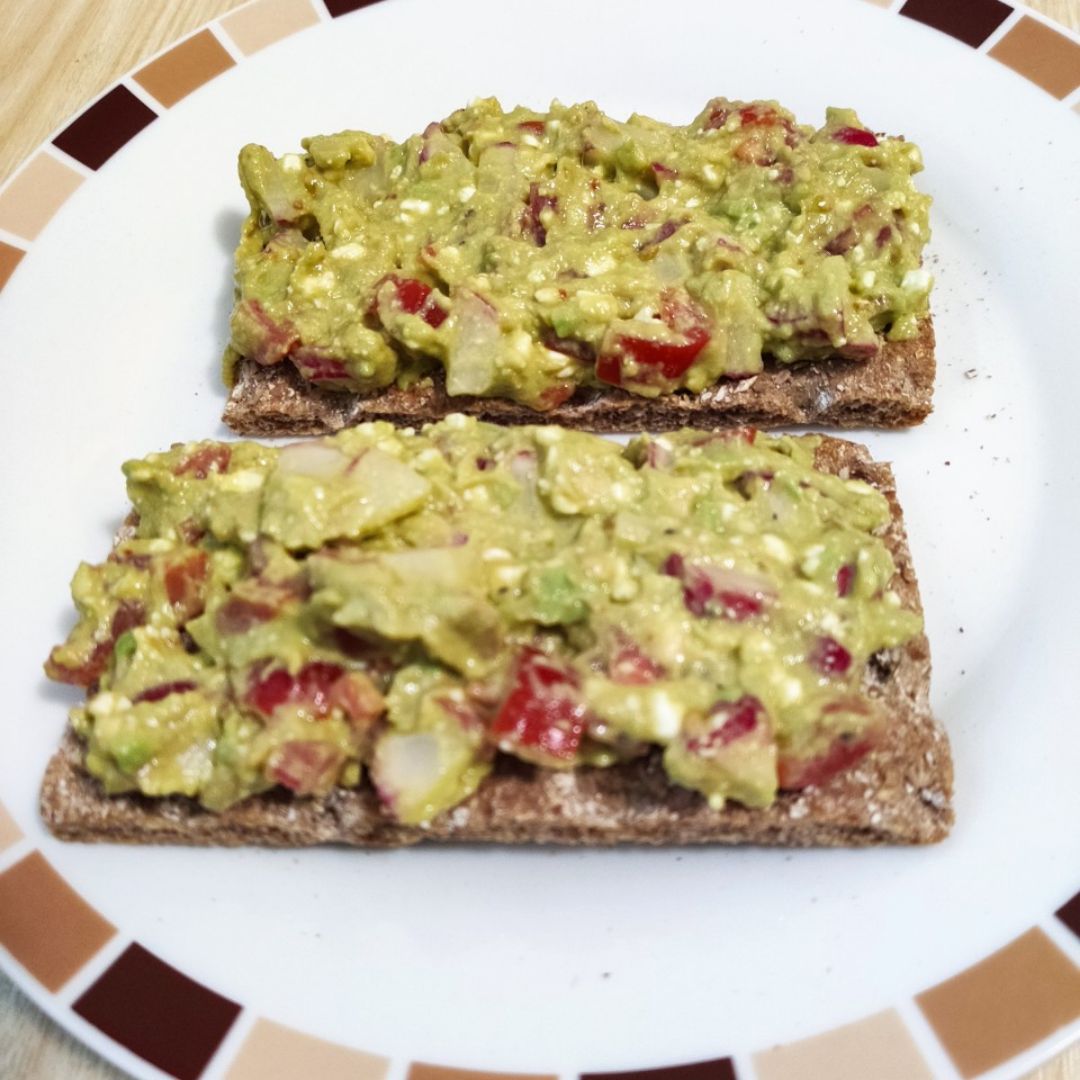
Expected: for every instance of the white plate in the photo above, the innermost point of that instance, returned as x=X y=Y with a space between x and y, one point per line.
x=575 y=961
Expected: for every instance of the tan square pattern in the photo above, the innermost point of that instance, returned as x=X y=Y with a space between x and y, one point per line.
x=185 y=67
x=1004 y=1004
x=9 y=831
x=274 y=1052
x=419 y=1070
x=879 y=1046
x=45 y=924
x=30 y=200
x=1041 y=54
x=266 y=21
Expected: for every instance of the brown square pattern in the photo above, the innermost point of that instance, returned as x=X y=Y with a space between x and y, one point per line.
x=969 y=21
x=185 y=67
x=1041 y=54
x=45 y=924
x=717 y=1069
x=158 y=1013
x=112 y=121
x=343 y=7
x=1004 y=1004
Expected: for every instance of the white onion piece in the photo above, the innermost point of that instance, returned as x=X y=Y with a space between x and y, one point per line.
x=314 y=459
x=406 y=766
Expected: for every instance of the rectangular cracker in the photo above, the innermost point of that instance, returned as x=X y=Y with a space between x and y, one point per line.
x=899 y=794
x=892 y=390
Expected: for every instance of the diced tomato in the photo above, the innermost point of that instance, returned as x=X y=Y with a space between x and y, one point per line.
x=884 y=235
x=533 y=127
x=414 y=297
x=553 y=396
x=185 y=584
x=430 y=136
x=130 y=558
x=853 y=136
x=845 y=579
x=204 y=461
x=629 y=666
x=128 y=615
x=670 y=359
x=315 y=366
x=271 y=341
x=760 y=116
x=542 y=715
x=190 y=531
x=714 y=590
x=358 y=698
x=311 y=688
x=532 y=218
x=718 y=115
x=847 y=749
x=663 y=172
x=730 y=720
x=164 y=690
x=239 y=614
x=842 y=241
x=667 y=230
x=829 y=657
x=305 y=766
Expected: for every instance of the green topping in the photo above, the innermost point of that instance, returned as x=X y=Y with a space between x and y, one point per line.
x=408 y=605
x=527 y=254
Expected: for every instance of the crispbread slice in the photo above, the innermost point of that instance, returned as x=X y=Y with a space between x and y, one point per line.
x=900 y=794
x=892 y=390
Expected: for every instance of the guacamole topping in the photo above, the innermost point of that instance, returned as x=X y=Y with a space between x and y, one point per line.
x=528 y=254
x=406 y=606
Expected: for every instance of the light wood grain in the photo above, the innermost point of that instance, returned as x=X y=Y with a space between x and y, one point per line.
x=55 y=57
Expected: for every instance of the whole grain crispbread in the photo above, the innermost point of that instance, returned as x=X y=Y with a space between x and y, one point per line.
x=892 y=390
x=900 y=794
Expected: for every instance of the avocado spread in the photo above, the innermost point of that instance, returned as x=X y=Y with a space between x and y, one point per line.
x=407 y=605
x=527 y=254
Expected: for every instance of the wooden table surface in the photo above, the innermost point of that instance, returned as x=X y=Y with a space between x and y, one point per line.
x=56 y=55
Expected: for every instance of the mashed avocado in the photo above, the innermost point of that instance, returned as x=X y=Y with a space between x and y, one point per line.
x=528 y=254
x=409 y=604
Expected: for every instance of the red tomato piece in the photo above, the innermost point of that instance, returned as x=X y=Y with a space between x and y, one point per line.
x=853 y=136
x=305 y=766
x=629 y=665
x=238 y=615
x=414 y=297
x=317 y=367
x=164 y=690
x=185 y=584
x=128 y=615
x=542 y=714
x=312 y=687
x=829 y=657
x=669 y=359
x=732 y=720
x=845 y=579
x=847 y=749
x=204 y=461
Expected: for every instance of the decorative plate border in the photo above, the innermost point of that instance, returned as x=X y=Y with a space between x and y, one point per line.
x=993 y=1014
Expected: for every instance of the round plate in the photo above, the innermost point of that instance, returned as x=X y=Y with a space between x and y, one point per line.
x=954 y=960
